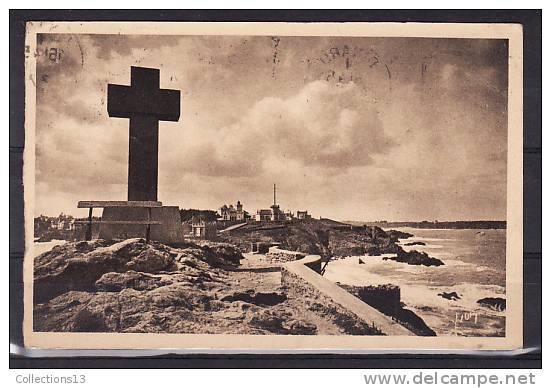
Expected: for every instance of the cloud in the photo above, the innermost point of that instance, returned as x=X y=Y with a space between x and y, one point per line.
x=76 y=156
x=346 y=127
x=122 y=45
x=323 y=125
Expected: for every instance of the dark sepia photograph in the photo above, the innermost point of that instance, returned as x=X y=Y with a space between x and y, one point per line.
x=264 y=186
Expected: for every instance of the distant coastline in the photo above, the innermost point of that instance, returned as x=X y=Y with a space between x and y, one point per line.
x=435 y=224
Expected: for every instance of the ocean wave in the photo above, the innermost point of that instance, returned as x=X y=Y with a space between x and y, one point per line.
x=378 y=262
x=421 y=295
x=474 y=267
x=423 y=239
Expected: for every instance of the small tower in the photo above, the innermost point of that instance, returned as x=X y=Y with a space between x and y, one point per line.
x=276 y=212
x=239 y=206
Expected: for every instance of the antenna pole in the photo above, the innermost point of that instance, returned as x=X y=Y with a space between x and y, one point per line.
x=274 y=194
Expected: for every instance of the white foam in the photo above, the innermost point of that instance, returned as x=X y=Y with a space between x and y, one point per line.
x=418 y=247
x=420 y=296
x=41 y=247
x=423 y=239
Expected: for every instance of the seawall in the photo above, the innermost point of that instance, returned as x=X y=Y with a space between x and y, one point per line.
x=302 y=276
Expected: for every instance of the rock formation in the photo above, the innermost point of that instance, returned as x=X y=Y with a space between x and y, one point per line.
x=409 y=244
x=449 y=295
x=132 y=286
x=318 y=237
x=415 y=258
x=497 y=304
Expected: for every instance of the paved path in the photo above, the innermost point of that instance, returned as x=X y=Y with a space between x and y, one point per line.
x=236 y=226
x=258 y=262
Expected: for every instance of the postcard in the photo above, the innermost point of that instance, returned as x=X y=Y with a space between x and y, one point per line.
x=319 y=187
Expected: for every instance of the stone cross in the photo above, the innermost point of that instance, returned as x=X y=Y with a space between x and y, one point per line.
x=144 y=103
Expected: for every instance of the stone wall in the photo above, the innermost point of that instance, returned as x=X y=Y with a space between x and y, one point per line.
x=305 y=281
x=323 y=305
x=385 y=297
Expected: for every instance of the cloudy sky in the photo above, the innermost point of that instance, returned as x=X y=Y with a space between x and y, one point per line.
x=348 y=128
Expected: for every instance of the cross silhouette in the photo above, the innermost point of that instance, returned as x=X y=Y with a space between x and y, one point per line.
x=144 y=103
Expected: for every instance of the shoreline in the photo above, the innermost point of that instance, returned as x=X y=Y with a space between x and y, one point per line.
x=424 y=289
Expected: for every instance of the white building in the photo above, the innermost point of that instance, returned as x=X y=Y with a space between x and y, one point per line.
x=231 y=213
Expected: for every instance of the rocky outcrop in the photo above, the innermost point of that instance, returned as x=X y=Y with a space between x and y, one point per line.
x=497 y=304
x=140 y=281
x=409 y=244
x=137 y=287
x=256 y=298
x=78 y=266
x=278 y=323
x=449 y=295
x=415 y=258
x=172 y=308
x=370 y=241
x=176 y=307
x=216 y=254
x=397 y=234
x=317 y=237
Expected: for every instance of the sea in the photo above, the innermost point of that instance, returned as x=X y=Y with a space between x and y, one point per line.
x=474 y=268
x=41 y=247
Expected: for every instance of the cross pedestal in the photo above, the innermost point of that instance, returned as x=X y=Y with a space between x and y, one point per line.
x=166 y=229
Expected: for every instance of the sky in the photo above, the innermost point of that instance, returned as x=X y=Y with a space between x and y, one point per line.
x=349 y=128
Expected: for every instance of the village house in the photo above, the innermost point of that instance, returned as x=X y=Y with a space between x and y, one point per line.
x=233 y=214
x=303 y=215
x=272 y=214
x=62 y=222
x=203 y=229
x=263 y=215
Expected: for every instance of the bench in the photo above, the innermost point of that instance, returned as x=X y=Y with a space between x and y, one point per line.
x=104 y=204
